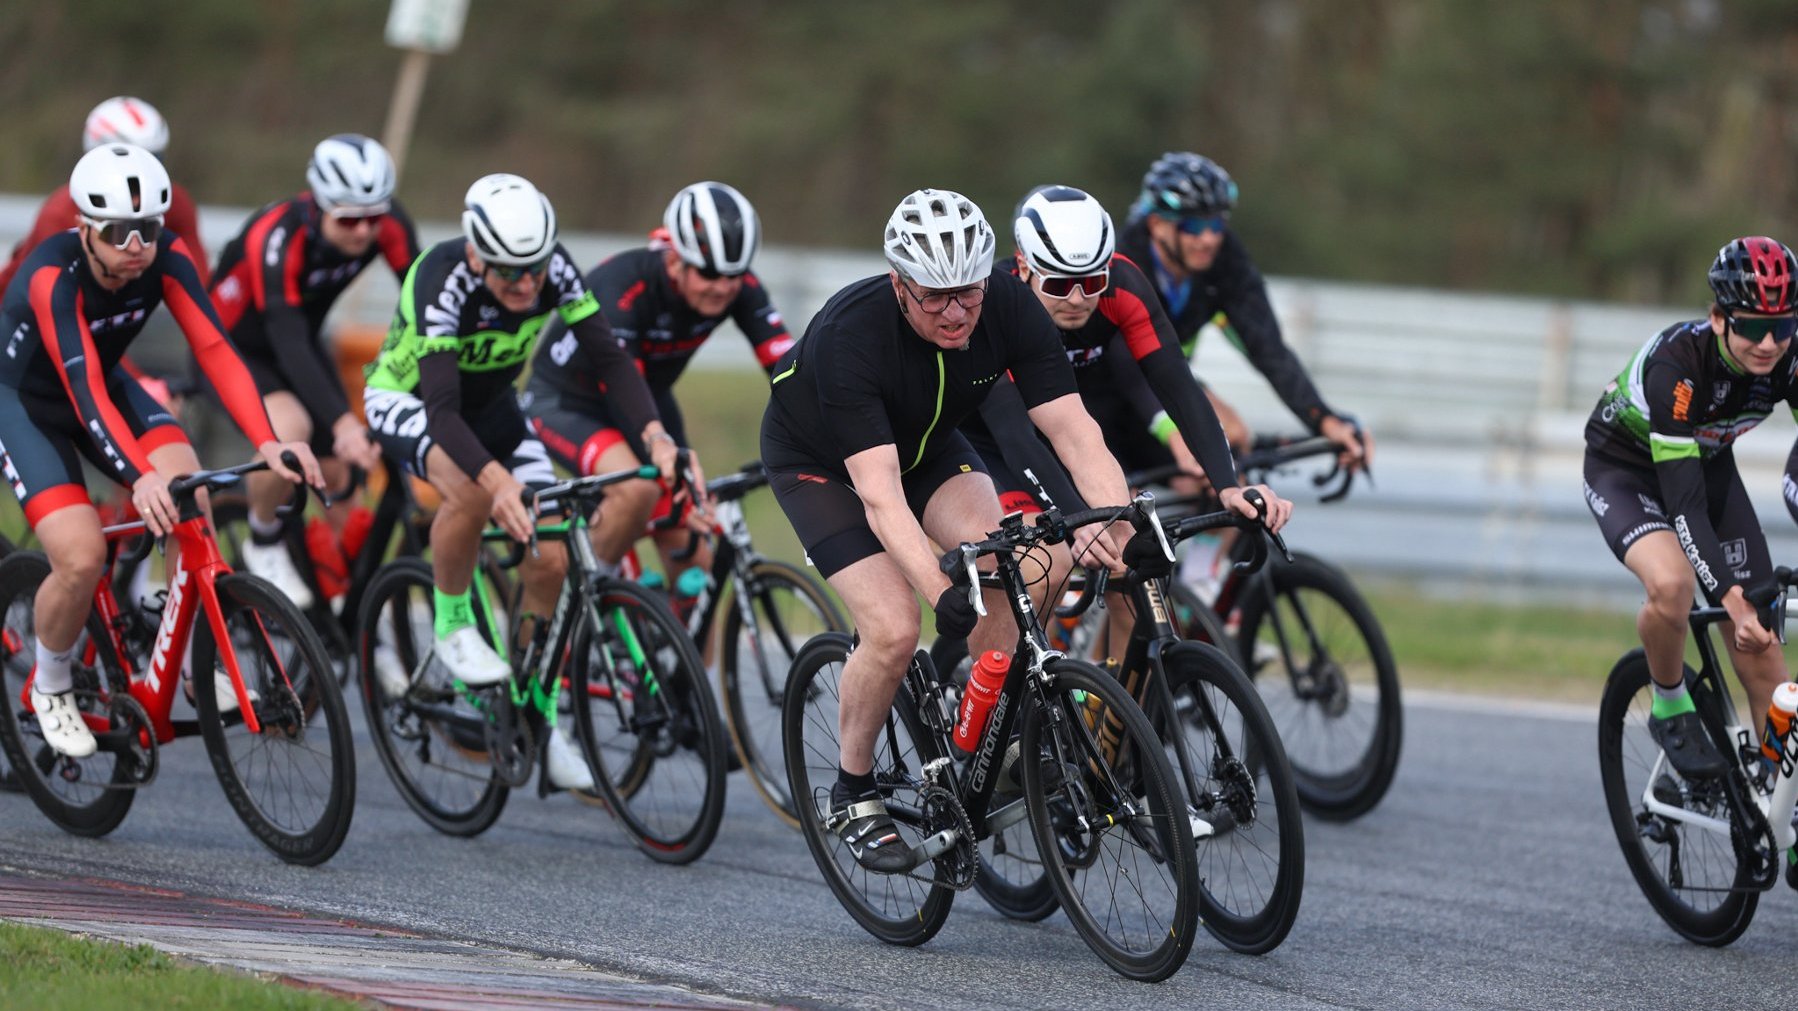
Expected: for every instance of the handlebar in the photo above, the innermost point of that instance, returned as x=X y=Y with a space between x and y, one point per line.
x=1769 y=600
x=1053 y=527
x=1269 y=453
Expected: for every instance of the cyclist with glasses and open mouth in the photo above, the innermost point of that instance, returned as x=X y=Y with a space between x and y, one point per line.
x=276 y=281
x=1661 y=479
x=76 y=304
x=440 y=399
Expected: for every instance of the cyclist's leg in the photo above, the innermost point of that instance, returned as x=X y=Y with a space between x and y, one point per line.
x=541 y=574
x=956 y=502
x=1745 y=549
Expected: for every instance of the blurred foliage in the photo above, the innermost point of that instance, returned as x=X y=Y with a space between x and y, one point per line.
x=1602 y=149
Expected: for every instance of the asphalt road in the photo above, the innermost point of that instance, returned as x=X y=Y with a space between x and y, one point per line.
x=1488 y=878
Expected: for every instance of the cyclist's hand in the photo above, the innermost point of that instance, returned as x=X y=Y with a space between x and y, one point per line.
x=1750 y=637
x=955 y=614
x=150 y=495
x=271 y=453
x=1279 y=510
x=1356 y=443
x=1101 y=544
x=351 y=443
x=664 y=452
x=509 y=510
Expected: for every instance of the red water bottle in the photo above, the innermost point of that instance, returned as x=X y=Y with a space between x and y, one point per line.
x=984 y=682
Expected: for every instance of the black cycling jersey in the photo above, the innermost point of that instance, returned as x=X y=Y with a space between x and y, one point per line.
x=655 y=324
x=1231 y=285
x=862 y=377
x=65 y=335
x=276 y=281
x=1676 y=409
x=454 y=345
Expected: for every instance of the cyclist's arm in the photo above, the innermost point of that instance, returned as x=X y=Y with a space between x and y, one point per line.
x=619 y=375
x=1256 y=331
x=199 y=321
x=761 y=323
x=440 y=388
x=1024 y=452
x=1080 y=445
x=1150 y=338
x=299 y=354
x=1673 y=444
x=398 y=240
x=55 y=301
x=875 y=474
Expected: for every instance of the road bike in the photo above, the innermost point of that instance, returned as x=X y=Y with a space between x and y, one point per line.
x=283 y=752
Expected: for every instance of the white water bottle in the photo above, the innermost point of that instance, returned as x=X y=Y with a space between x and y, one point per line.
x=1780 y=743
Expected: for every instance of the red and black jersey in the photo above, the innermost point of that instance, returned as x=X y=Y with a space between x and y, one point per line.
x=59 y=214
x=65 y=334
x=278 y=278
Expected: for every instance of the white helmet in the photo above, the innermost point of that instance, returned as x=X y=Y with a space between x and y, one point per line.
x=119 y=181
x=939 y=239
x=350 y=170
x=1063 y=231
x=126 y=120
x=713 y=227
x=508 y=220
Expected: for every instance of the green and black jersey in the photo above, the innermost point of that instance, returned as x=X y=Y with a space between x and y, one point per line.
x=1676 y=410
x=454 y=346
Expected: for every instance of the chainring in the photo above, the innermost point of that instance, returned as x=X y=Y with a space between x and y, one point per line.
x=139 y=756
x=511 y=747
x=960 y=865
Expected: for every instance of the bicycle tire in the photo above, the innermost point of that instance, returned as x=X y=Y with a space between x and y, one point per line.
x=305 y=736
x=434 y=754
x=1657 y=849
x=649 y=724
x=76 y=794
x=897 y=909
x=1252 y=868
x=753 y=668
x=1344 y=746
x=1012 y=877
x=1111 y=764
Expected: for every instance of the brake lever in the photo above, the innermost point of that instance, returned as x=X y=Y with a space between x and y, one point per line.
x=968 y=554
x=1145 y=503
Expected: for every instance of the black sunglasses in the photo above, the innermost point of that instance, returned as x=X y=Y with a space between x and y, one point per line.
x=1755 y=329
x=509 y=273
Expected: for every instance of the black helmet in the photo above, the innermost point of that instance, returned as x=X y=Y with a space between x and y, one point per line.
x=1755 y=274
x=1183 y=184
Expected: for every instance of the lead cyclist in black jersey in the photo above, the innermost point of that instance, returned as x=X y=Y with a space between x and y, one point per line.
x=1660 y=478
x=439 y=398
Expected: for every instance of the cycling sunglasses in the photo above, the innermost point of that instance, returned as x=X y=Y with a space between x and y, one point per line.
x=709 y=273
x=509 y=273
x=1092 y=285
x=353 y=219
x=1199 y=226
x=118 y=232
x=1757 y=329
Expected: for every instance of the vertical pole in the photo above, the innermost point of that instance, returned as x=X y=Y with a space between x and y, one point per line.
x=407 y=93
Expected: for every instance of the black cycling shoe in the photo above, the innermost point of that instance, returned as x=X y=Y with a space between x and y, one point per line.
x=864 y=825
x=1688 y=747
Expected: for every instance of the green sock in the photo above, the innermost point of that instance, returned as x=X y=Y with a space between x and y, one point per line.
x=1671 y=702
x=454 y=610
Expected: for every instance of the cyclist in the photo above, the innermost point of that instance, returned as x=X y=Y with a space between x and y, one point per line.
x=76 y=304
x=276 y=281
x=663 y=302
x=1661 y=479
x=1100 y=302
x=439 y=398
x=864 y=456
x=1179 y=234
x=121 y=120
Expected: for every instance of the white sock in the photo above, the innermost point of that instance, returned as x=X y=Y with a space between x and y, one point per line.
x=53 y=673
x=268 y=528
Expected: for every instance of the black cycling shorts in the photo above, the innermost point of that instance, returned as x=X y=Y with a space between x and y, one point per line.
x=398 y=421
x=829 y=517
x=1626 y=501
x=42 y=443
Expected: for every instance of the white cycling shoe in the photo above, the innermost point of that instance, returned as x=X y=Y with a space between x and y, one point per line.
x=390 y=673
x=273 y=563
x=567 y=767
x=470 y=659
x=61 y=724
x=221 y=690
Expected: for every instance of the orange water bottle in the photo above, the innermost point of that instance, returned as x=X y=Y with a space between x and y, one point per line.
x=984 y=682
x=1779 y=722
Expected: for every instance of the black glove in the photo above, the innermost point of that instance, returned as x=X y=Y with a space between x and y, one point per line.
x=955 y=615
x=1144 y=556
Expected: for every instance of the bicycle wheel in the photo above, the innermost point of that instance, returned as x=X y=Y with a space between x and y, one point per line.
x=1337 y=707
x=430 y=737
x=897 y=908
x=785 y=607
x=80 y=795
x=1012 y=878
x=1107 y=810
x=1240 y=788
x=1696 y=877
x=649 y=723
x=1196 y=620
x=294 y=782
